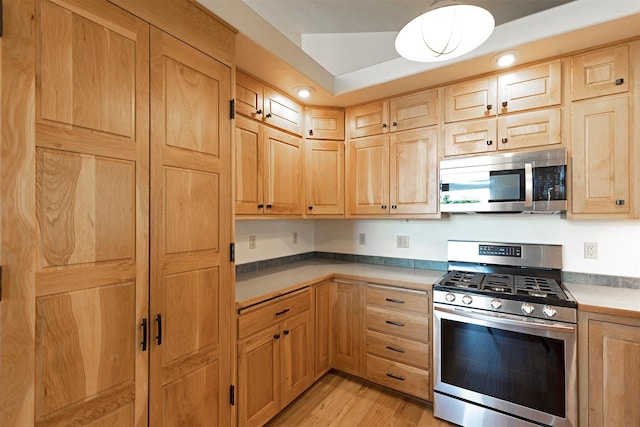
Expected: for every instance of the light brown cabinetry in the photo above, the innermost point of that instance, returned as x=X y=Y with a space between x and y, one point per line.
x=348 y=327
x=324 y=123
x=265 y=104
x=397 y=114
x=324 y=295
x=324 y=169
x=399 y=339
x=609 y=370
x=275 y=356
x=393 y=174
x=492 y=100
x=600 y=73
x=268 y=170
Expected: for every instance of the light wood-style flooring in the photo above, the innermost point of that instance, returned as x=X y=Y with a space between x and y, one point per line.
x=340 y=400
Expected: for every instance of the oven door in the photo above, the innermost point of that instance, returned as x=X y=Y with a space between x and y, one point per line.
x=507 y=364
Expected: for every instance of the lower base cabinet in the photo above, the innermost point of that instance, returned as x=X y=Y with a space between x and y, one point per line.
x=275 y=356
x=609 y=370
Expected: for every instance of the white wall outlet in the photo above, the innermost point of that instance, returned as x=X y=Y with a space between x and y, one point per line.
x=362 y=239
x=252 y=242
x=402 y=241
x=591 y=250
x=295 y=238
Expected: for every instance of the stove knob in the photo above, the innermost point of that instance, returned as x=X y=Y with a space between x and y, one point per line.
x=467 y=299
x=450 y=297
x=527 y=308
x=549 y=311
x=496 y=303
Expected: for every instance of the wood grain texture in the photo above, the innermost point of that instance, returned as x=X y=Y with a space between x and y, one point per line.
x=414 y=111
x=470 y=100
x=368 y=120
x=349 y=328
x=249 y=167
x=531 y=129
x=531 y=87
x=283 y=186
x=17 y=314
x=324 y=302
x=338 y=400
x=324 y=170
x=595 y=73
x=368 y=175
x=324 y=123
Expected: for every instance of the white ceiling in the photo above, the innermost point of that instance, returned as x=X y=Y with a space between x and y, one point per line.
x=345 y=48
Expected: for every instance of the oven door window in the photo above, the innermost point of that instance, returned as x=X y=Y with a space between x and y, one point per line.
x=506 y=186
x=516 y=367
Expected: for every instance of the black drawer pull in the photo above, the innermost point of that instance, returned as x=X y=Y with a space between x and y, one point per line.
x=619 y=82
x=280 y=313
x=159 y=336
x=619 y=202
x=286 y=332
x=395 y=377
x=144 y=334
x=276 y=337
x=397 y=301
x=395 y=323
x=397 y=350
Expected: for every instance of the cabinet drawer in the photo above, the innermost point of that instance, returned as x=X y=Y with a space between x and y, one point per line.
x=258 y=317
x=399 y=299
x=399 y=349
x=407 y=325
x=398 y=376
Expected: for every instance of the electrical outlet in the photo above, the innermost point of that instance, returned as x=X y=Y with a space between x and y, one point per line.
x=591 y=250
x=362 y=239
x=252 y=242
x=295 y=238
x=402 y=241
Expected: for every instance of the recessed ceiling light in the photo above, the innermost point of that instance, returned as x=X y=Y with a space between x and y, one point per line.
x=304 y=92
x=506 y=59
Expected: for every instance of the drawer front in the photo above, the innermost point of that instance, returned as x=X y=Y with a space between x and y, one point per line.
x=398 y=349
x=256 y=318
x=406 y=325
x=398 y=376
x=399 y=299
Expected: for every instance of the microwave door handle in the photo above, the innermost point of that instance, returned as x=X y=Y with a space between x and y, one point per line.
x=528 y=185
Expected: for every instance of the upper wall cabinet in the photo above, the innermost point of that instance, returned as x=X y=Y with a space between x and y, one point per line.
x=406 y=112
x=603 y=72
x=533 y=87
x=324 y=123
x=263 y=103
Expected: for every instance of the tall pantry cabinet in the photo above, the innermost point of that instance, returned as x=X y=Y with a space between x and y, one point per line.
x=117 y=295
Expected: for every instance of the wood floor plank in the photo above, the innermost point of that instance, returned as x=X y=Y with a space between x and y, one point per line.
x=341 y=400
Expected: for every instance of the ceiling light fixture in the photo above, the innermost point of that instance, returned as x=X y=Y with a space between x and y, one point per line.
x=506 y=59
x=304 y=91
x=444 y=32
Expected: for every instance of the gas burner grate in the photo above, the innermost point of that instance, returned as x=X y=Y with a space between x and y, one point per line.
x=538 y=287
x=462 y=279
x=502 y=283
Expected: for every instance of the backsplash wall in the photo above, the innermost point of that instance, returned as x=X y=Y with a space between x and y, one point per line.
x=617 y=253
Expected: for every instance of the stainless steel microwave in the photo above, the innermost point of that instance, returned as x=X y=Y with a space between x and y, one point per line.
x=527 y=182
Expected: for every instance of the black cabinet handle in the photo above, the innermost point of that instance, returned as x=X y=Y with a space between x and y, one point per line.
x=394 y=124
x=159 y=336
x=276 y=337
x=268 y=115
x=505 y=140
x=384 y=125
x=384 y=206
x=489 y=142
x=269 y=206
x=619 y=82
x=397 y=350
x=260 y=206
x=286 y=332
x=395 y=323
x=395 y=377
x=489 y=107
x=619 y=202
x=144 y=334
x=280 y=313
x=310 y=132
x=258 y=111
x=395 y=301
x=310 y=208
x=394 y=207
x=504 y=104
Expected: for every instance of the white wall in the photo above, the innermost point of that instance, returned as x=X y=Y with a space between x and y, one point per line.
x=617 y=240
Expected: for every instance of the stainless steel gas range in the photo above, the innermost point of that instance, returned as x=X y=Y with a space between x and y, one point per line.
x=504 y=335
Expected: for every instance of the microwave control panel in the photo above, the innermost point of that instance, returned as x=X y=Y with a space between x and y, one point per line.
x=549 y=183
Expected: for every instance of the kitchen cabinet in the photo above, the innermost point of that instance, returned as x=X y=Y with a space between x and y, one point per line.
x=275 y=355
x=348 y=327
x=324 y=295
x=601 y=164
x=599 y=73
x=265 y=104
x=268 y=170
x=609 y=370
x=393 y=174
x=111 y=107
x=324 y=169
x=411 y=111
x=399 y=339
x=324 y=123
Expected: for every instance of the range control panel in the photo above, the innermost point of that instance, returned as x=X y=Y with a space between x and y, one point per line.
x=500 y=250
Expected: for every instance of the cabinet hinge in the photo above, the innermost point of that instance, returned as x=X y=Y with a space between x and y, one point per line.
x=232 y=395
x=232 y=252
x=232 y=109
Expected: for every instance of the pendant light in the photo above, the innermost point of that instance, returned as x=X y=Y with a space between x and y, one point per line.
x=445 y=31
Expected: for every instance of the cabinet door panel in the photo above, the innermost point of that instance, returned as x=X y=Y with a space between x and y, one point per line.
x=414 y=111
x=600 y=156
x=324 y=305
x=190 y=267
x=249 y=96
x=325 y=177
x=348 y=328
x=296 y=352
x=537 y=128
x=532 y=87
x=249 y=173
x=322 y=123
x=470 y=100
x=470 y=137
x=283 y=173
x=413 y=172
x=282 y=112
x=91 y=200
x=369 y=175
x=604 y=72
x=368 y=120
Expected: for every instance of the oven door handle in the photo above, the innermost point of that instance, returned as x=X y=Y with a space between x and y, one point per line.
x=485 y=320
x=528 y=185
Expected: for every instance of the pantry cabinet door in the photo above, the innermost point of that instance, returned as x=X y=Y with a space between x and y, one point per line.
x=368 y=184
x=92 y=196
x=191 y=295
x=283 y=180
